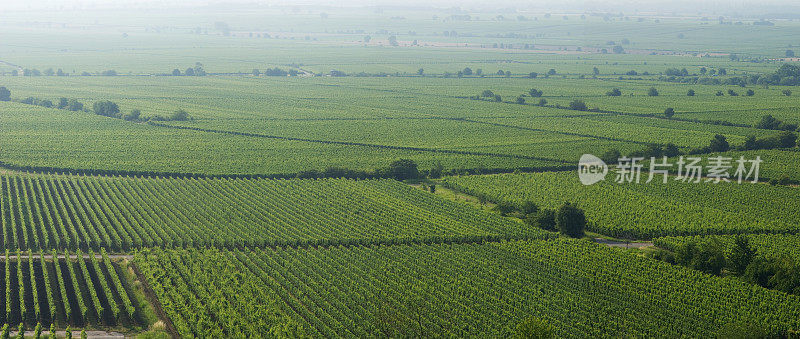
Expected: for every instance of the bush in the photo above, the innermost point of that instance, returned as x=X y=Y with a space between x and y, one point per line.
x=133 y=115
x=787 y=92
x=106 y=108
x=577 y=105
x=750 y=93
x=653 y=92
x=669 y=112
x=690 y=93
x=535 y=93
x=5 y=94
x=544 y=219
x=543 y=102
x=614 y=92
x=179 y=115
x=520 y=100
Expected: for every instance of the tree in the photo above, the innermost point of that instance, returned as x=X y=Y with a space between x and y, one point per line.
x=544 y=219
x=74 y=105
x=618 y=50
x=690 y=93
x=403 y=169
x=62 y=103
x=437 y=170
x=787 y=92
x=614 y=92
x=786 y=139
x=533 y=328
x=106 y=108
x=719 y=94
x=653 y=92
x=669 y=112
x=367 y=39
x=529 y=207
x=467 y=71
x=611 y=156
x=542 y=102
x=570 y=220
x=49 y=72
x=504 y=208
x=750 y=93
x=109 y=73
x=393 y=41
x=596 y=71
x=703 y=70
x=719 y=144
x=5 y=94
x=733 y=93
x=552 y=71
x=189 y=72
x=498 y=98
x=535 y=93
x=487 y=94
x=789 y=53
x=176 y=72
x=741 y=255
x=533 y=75
x=180 y=115
x=420 y=71
x=520 y=100
x=256 y=72
x=577 y=105
x=133 y=115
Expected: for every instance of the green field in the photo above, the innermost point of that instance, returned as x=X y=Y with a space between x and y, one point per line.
x=767 y=245
x=453 y=290
x=295 y=192
x=648 y=210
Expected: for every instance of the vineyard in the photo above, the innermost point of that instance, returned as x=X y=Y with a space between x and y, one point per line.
x=767 y=245
x=462 y=290
x=64 y=288
x=120 y=213
x=648 y=210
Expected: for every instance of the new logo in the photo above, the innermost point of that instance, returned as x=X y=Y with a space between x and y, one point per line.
x=591 y=169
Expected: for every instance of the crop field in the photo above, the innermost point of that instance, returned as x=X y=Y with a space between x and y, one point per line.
x=767 y=245
x=65 y=288
x=459 y=290
x=120 y=213
x=232 y=169
x=648 y=210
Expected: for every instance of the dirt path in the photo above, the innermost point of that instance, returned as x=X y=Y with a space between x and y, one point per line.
x=75 y=334
x=623 y=244
x=71 y=256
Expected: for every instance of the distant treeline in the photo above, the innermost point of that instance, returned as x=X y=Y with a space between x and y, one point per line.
x=786 y=75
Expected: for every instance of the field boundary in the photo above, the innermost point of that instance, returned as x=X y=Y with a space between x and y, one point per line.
x=151 y=297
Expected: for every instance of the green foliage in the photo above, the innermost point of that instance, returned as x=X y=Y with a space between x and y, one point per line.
x=5 y=94
x=577 y=105
x=448 y=287
x=121 y=214
x=533 y=328
x=570 y=220
x=741 y=255
x=614 y=92
x=106 y=108
x=653 y=92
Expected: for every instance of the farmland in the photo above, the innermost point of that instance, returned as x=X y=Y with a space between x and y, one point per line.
x=461 y=290
x=241 y=169
x=648 y=210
